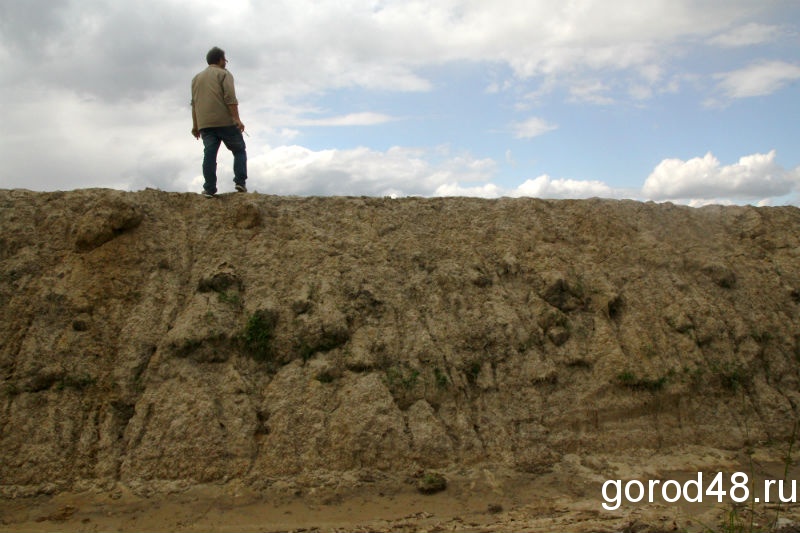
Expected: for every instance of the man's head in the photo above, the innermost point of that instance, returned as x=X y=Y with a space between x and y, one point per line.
x=215 y=56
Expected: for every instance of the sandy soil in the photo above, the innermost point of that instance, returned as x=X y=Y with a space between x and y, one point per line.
x=567 y=499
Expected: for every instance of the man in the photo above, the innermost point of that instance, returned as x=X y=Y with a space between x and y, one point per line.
x=215 y=118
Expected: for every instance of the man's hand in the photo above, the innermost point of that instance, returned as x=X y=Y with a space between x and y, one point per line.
x=196 y=133
x=234 y=110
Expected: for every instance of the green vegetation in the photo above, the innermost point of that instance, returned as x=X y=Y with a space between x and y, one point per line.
x=630 y=380
x=402 y=381
x=431 y=483
x=473 y=371
x=325 y=377
x=732 y=376
x=232 y=298
x=401 y=377
x=259 y=334
x=81 y=382
x=441 y=379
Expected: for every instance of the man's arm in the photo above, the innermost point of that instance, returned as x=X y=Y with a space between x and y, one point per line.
x=234 y=109
x=195 y=131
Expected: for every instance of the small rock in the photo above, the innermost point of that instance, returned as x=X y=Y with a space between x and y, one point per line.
x=558 y=335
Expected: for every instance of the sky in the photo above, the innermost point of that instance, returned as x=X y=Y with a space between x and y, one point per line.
x=689 y=101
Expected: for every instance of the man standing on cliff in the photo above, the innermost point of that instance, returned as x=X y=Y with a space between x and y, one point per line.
x=215 y=119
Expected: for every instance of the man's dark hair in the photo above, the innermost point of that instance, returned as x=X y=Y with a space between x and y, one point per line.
x=215 y=55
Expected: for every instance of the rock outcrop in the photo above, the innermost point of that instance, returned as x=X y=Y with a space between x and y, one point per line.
x=152 y=338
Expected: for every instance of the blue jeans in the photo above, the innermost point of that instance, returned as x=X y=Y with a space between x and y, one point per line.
x=212 y=138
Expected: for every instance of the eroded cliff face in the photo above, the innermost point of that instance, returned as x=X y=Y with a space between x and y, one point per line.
x=153 y=338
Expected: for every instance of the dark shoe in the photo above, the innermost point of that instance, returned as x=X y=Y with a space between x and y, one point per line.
x=208 y=194
x=241 y=188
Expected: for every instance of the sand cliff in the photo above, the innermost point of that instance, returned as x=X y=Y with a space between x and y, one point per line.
x=159 y=340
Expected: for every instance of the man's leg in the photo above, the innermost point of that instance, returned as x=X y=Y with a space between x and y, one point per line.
x=234 y=141
x=211 y=142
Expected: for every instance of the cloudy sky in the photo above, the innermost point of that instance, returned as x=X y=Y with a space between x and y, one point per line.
x=691 y=101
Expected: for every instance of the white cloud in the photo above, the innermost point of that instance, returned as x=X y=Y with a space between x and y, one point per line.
x=746 y=35
x=546 y=187
x=489 y=190
x=86 y=142
x=541 y=187
x=640 y=92
x=402 y=171
x=361 y=171
x=758 y=79
x=702 y=202
x=595 y=92
x=532 y=127
x=398 y=172
x=304 y=46
x=351 y=119
x=755 y=177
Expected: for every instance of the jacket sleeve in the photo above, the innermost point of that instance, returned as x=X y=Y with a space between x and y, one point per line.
x=228 y=90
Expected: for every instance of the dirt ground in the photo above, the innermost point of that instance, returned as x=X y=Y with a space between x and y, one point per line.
x=479 y=500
